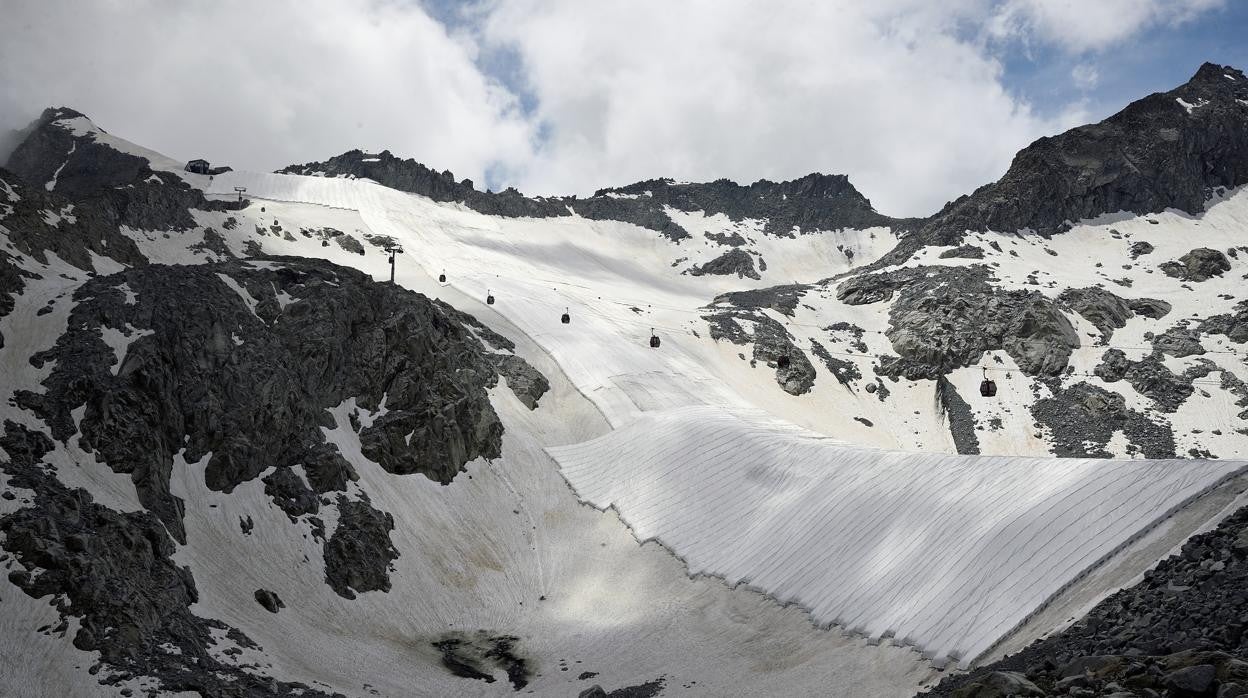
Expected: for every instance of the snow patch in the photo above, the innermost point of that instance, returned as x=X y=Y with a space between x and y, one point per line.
x=120 y=341
x=242 y=292
x=131 y=296
x=1190 y=107
x=56 y=175
x=9 y=193
x=283 y=298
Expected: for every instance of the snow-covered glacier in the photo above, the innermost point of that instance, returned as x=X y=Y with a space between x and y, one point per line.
x=944 y=552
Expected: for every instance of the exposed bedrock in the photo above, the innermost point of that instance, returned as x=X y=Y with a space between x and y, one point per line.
x=1149 y=376
x=12 y=283
x=241 y=360
x=947 y=317
x=1082 y=418
x=773 y=345
x=952 y=407
x=359 y=552
x=93 y=190
x=1234 y=324
x=846 y=372
x=782 y=299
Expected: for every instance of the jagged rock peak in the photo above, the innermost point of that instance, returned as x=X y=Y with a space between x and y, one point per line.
x=1168 y=150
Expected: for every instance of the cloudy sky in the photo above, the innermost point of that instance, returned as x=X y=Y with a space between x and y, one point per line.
x=916 y=101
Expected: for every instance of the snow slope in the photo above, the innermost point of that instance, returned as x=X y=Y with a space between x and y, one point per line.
x=601 y=270
x=616 y=279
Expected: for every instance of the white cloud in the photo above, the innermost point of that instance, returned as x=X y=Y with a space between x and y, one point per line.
x=1085 y=75
x=261 y=85
x=1082 y=26
x=904 y=96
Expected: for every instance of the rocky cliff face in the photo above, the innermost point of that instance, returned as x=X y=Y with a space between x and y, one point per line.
x=113 y=574
x=813 y=203
x=234 y=366
x=241 y=359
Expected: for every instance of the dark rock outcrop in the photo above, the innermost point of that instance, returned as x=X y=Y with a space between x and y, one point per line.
x=72 y=165
x=526 y=382
x=269 y=600
x=737 y=262
x=73 y=195
x=1082 y=418
x=1149 y=307
x=782 y=299
x=115 y=573
x=12 y=283
x=846 y=372
x=773 y=345
x=1140 y=248
x=472 y=656
x=1178 y=341
x=1234 y=324
x=1201 y=264
x=963 y=252
x=1103 y=309
x=1149 y=376
x=359 y=552
x=225 y=368
x=953 y=407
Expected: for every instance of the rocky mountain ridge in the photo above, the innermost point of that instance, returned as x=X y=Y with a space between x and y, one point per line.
x=1169 y=150
x=810 y=204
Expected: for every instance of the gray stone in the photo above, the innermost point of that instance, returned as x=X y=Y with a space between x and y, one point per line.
x=1000 y=684
x=1200 y=264
x=737 y=262
x=1193 y=680
x=269 y=600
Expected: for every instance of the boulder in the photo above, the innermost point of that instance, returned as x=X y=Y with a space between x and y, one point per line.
x=1201 y=264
